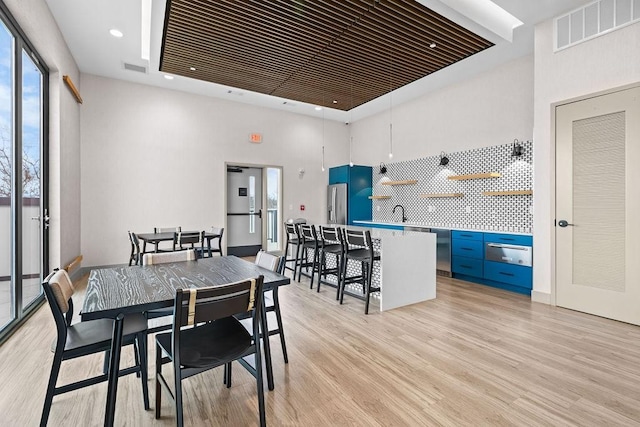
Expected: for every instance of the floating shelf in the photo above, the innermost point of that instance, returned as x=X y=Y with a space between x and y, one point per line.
x=437 y=195
x=508 y=193
x=405 y=182
x=476 y=176
x=379 y=197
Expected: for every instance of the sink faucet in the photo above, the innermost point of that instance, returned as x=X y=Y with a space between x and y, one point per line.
x=404 y=218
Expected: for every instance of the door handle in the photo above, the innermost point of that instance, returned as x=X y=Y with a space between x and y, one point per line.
x=562 y=223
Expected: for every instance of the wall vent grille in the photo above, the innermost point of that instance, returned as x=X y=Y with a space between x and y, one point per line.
x=593 y=20
x=136 y=68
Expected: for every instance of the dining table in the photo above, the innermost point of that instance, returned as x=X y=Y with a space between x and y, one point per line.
x=137 y=289
x=155 y=238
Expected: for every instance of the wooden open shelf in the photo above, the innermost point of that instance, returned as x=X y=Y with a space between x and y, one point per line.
x=405 y=182
x=508 y=193
x=437 y=195
x=379 y=197
x=476 y=176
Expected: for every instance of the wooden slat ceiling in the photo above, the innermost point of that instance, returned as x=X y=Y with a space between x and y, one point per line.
x=350 y=51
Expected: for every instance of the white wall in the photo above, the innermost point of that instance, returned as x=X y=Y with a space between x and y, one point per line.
x=156 y=157
x=36 y=21
x=603 y=63
x=491 y=109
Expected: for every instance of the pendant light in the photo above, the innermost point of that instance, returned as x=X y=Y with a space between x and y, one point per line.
x=323 y=136
x=350 y=121
x=390 y=110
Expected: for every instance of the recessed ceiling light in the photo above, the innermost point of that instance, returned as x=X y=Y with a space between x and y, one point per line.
x=192 y=68
x=335 y=101
x=116 y=33
x=168 y=77
x=432 y=45
x=318 y=108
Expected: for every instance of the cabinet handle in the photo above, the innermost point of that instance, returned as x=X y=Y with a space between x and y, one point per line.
x=506 y=274
x=465 y=266
x=506 y=239
x=466 y=249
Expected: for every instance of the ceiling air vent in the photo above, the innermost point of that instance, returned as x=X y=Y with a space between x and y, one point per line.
x=594 y=19
x=136 y=68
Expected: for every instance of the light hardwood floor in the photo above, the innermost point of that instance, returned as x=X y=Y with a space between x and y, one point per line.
x=474 y=356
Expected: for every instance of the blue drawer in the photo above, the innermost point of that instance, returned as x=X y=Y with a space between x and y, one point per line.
x=467 y=266
x=466 y=235
x=467 y=248
x=514 y=239
x=508 y=273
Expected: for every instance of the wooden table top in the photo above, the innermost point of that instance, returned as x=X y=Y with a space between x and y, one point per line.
x=135 y=289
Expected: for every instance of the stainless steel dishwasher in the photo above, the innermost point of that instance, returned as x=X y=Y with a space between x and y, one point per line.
x=443 y=248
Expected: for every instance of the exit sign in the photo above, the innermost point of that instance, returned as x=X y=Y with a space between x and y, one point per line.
x=256 y=138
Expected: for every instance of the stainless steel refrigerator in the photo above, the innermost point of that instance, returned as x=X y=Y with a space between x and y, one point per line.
x=337 y=204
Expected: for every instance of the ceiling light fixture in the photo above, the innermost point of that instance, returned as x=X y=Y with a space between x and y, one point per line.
x=318 y=108
x=116 y=33
x=192 y=68
x=433 y=45
x=350 y=144
x=335 y=101
x=390 y=110
x=168 y=77
x=383 y=169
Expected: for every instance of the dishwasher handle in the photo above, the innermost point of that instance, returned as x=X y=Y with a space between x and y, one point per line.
x=517 y=248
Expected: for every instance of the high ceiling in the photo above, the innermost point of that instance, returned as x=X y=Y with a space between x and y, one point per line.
x=333 y=53
x=85 y=26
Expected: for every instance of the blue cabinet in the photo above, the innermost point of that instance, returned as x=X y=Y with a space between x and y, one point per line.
x=467 y=253
x=468 y=261
x=359 y=188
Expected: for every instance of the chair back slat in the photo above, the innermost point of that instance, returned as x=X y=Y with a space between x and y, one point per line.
x=360 y=238
x=166 y=257
x=308 y=232
x=291 y=230
x=216 y=302
x=167 y=229
x=330 y=235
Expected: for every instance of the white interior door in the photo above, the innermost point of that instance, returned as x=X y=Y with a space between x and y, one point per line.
x=244 y=211
x=598 y=205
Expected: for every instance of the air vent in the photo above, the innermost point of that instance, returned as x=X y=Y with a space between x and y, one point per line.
x=136 y=68
x=593 y=20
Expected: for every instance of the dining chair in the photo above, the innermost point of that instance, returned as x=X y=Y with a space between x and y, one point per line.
x=91 y=337
x=164 y=258
x=359 y=248
x=135 y=256
x=271 y=301
x=215 y=338
x=214 y=244
x=182 y=239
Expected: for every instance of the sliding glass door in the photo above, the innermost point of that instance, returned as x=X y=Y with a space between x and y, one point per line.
x=23 y=161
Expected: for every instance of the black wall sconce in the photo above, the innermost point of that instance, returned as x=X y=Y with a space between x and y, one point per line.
x=518 y=149
x=383 y=168
x=444 y=160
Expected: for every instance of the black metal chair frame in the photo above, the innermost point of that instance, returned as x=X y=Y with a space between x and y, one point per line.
x=358 y=247
x=331 y=242
x=309 y=241
x=86 y=344
x=293 y=239
x=136 y=256
x=211 y=313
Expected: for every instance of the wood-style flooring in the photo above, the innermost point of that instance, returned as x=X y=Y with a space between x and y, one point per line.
x=474 y=356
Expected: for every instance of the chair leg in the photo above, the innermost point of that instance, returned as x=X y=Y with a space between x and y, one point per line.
x=369 y=278
x=303 y=260
x=178 y=395
x=141 y=352
x=314 y=266
x=259 y=384
x=158 y=386
x=51 y=387
x=344 y=276
x=298 y=261
x=227 y=371
x=339 y=260
x=276 y=305
x=114 y=369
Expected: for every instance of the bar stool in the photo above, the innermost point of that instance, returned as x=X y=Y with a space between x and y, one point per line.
x=309 y=241
x=358 y=247
x=293 y=239
x=331 y=242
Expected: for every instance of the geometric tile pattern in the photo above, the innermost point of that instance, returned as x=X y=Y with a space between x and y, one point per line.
x=471 y=211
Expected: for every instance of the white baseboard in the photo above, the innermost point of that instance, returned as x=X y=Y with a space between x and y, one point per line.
x=542 y=297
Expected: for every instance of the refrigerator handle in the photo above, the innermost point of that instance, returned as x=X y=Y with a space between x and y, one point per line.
x=334 y=195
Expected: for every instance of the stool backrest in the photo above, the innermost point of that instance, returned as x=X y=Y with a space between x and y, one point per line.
x=308 y=232
x=361 y=238
x=330 y=235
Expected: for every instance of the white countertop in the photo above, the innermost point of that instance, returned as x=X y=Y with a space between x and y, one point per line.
x=419 y=225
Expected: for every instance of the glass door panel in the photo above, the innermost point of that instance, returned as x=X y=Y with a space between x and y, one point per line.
x=31 y=182
x=274 y=216
x=7 y=292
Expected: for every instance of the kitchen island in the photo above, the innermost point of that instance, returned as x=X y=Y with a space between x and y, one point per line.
x=407 y=272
